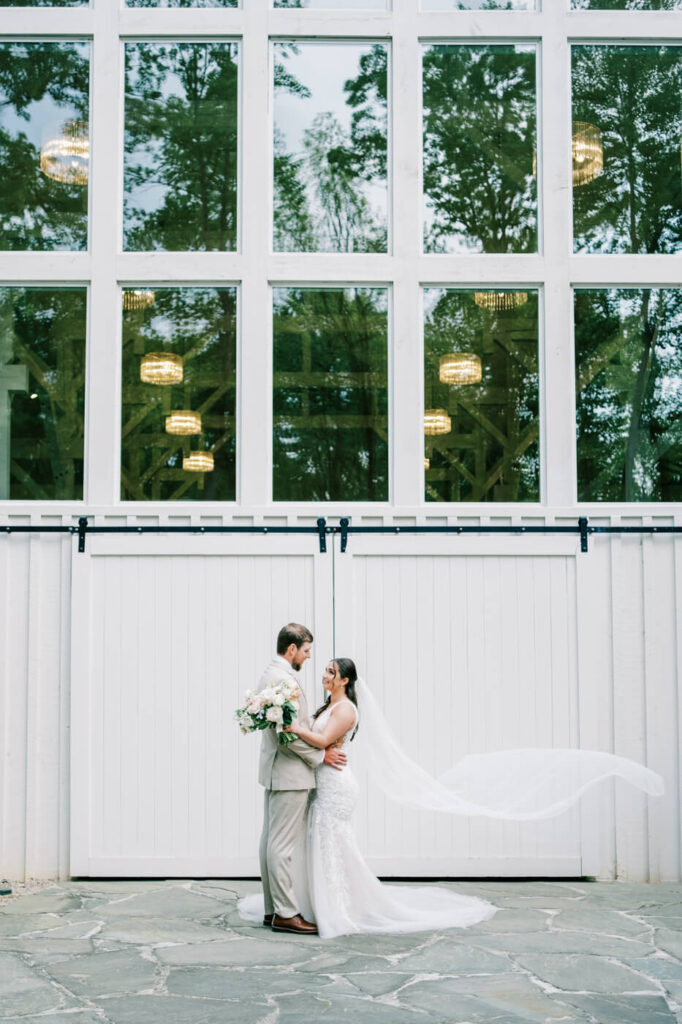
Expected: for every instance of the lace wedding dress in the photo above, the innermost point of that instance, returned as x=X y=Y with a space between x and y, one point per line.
x=340 y=893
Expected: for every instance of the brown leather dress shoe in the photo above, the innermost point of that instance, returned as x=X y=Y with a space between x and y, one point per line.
x=295 y=924
x=267 y=920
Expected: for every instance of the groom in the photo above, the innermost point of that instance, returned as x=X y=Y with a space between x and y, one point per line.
x=287 y=773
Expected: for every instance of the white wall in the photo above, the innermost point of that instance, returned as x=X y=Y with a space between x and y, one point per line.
x=621 y=645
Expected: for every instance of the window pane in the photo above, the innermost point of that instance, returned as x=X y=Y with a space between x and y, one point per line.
x=627 y=189
x=478 y=5
x=42 y=393
x=44 y=150
x=181 y=3
x=628 y=357
x=179 y=394
x=330 y=147
x=479 y=141
x=180 y=176
x=627 y=5
x=333 y=5
x=43 y=3
x=481 y=396
x=330 y=425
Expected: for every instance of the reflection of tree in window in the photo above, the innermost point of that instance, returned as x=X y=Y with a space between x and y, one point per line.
x=41 y=86
x=330 y=183
x=633 y=95
x=180 y=180
x=42 y=390
x=199 y=325
x=479 y=135
x=491 y=452
x=330 y=429
x=181 y=3
x=629 y=394
x=627 y=5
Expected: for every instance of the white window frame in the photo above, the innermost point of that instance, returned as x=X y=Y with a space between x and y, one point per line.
x=555 y=270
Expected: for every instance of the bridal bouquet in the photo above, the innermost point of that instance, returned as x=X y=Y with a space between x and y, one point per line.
x=272 y=708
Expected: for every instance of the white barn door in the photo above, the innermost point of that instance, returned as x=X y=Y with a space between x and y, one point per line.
x=470 y=644
x=168 y=632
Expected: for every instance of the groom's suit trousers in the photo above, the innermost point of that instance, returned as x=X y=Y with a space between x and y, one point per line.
x=282 y=839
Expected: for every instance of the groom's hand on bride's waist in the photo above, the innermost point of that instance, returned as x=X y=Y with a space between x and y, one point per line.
x=335 y=757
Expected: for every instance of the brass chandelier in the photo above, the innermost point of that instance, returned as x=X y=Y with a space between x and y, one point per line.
x=460 y=368
x=436 y=421
x=67 y=157
x=198 y=462
x=161 y=368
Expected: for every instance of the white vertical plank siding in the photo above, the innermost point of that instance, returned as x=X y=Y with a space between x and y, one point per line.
x=534 y=649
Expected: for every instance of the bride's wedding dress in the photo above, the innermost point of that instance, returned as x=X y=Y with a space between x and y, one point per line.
x=335 y=887
x=340 y=893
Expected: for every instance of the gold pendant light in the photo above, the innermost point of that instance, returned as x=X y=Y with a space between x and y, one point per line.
x=161 y=368
x=498 y=302
x=183 y=421
x=198 y=462
x=436 y=421
x=460 y=368
x=587 y=152
x=138 y=298
x=67 y=158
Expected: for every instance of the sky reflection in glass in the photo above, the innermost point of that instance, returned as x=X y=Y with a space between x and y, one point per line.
x=42 y=86
x=330 y=147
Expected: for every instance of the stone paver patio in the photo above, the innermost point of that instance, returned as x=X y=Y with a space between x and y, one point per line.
x=142 y=952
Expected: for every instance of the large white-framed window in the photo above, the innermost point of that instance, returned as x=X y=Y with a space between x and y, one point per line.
x=550 y=269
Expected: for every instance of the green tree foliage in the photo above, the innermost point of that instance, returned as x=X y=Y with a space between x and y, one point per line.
x=180 y=179
x=330 y=437
x=41 y=86
x=321 y=199
x=43 y=330
x=629 y=385
x=199 y=324
x=479 y=139
x=492 y=451
x=627 y=5
x=633 y=95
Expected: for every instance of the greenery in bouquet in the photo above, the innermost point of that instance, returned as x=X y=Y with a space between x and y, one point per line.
x=275 y=707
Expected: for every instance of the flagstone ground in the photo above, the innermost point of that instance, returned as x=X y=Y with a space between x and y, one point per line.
x=176 y=952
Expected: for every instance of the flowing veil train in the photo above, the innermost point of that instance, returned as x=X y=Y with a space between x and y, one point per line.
x=517 y=785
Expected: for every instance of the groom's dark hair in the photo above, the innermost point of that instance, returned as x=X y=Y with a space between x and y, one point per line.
x=293 y=633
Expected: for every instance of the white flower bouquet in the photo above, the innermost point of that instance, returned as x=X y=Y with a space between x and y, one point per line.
x=272 y=708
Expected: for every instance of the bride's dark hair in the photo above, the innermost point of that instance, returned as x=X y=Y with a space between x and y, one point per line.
x=347 y=670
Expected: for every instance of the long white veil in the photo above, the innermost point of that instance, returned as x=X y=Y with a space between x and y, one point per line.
x=519 y=785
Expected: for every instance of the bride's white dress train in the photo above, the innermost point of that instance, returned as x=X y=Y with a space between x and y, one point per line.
x=340 y=893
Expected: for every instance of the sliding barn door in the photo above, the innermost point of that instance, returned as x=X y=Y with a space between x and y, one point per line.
x=168 y=632
x=470 y=645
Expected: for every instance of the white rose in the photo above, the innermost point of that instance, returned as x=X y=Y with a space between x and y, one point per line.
x=274 y=714
x=278 y=700
x=267 y=695
x=253 y=707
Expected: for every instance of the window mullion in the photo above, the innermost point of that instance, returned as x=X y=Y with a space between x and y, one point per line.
x=103 y=414
x=557 y=373
x=406 y=230
x=254 y=377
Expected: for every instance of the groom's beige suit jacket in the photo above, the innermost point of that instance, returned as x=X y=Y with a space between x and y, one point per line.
x=291 y=766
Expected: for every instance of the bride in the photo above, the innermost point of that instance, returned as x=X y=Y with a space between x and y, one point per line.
x=340 y=893
x=335 y=887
